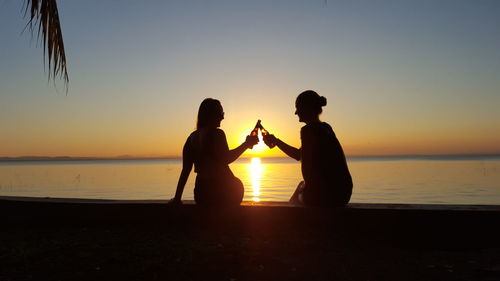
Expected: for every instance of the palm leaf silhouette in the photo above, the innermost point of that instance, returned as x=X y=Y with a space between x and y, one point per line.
x=44 y=16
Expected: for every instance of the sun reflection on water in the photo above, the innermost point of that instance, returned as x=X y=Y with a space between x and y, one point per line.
x=256 y=169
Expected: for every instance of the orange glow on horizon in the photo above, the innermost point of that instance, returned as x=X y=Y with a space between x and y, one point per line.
x=148 y=141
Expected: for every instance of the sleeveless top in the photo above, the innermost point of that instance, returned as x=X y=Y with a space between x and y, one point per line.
x=207 y=147
x=324 y=165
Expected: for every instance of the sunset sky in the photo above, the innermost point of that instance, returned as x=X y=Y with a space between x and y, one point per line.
x=401 y=77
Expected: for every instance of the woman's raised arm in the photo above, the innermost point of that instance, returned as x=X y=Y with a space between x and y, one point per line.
x=229 y=156
x=287 y=149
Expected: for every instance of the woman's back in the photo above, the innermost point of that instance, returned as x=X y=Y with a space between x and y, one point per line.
x=324 y=166
x=207 y=148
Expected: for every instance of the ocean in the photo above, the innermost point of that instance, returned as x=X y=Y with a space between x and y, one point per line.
x=405 y=179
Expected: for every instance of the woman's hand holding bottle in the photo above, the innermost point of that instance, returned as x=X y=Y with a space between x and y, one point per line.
x=253 y=138
x=251 y=141
x=269 y=140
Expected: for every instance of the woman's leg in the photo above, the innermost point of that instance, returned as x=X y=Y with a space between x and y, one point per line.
x=206 y=191
x=232 y=194
x=237 y=192
x=296 y=196
x=342 y=199
x=199 y=191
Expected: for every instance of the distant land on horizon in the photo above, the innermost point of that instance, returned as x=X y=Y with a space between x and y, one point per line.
x=353 y=157
x=80 y=158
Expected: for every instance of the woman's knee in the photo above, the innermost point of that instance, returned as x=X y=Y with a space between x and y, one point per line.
x=238 y=190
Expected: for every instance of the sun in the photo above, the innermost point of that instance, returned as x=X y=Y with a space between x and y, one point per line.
x=261 y=146
x=258 y=150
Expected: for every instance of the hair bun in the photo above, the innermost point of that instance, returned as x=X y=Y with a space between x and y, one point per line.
x=322 y=101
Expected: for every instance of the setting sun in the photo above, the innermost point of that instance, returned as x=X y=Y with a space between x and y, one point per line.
x=260 y=147
x=259 y=150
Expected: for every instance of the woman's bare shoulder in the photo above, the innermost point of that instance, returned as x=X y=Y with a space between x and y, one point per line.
x=215 y=132
x=193 y=136
x=306 y=129
x=207 y=133
x=219 y=132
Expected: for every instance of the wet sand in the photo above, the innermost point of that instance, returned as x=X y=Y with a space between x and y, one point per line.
x=136 y=241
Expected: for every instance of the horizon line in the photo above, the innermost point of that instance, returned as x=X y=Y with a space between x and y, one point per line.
x=91 y=158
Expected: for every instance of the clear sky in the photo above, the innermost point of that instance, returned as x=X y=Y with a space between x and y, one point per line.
x=401 y=77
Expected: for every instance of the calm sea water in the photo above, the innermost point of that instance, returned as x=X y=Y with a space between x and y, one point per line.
x=441 y=180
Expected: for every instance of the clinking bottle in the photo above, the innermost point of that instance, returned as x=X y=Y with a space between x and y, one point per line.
x=264 y=133
x=255 y=131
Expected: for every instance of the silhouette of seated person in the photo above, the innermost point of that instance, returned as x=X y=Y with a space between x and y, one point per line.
x=207 y=149
x=327 y=181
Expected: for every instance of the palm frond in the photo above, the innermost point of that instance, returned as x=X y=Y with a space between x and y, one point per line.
x=44 y=14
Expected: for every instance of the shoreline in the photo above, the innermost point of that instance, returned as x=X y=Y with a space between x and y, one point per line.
x=352 y=206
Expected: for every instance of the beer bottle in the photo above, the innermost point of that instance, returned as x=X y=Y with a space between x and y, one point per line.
x=255 y=131
x=265 y=133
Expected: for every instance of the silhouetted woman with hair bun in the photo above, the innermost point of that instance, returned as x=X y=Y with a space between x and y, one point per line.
x=327 y=181
x=207 y=149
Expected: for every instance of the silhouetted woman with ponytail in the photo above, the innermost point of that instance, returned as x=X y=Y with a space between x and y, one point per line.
x=207 y=149
x=327 y=181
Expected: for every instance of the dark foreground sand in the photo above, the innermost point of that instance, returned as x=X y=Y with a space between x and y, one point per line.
x=45 y=242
